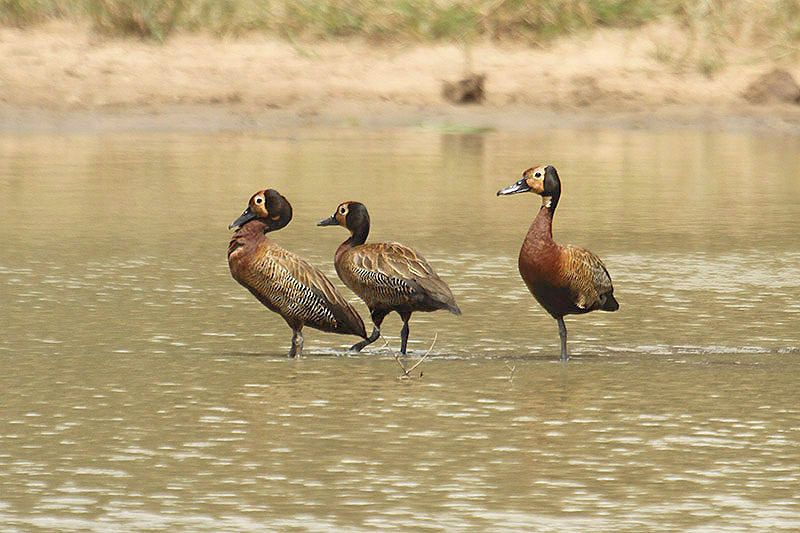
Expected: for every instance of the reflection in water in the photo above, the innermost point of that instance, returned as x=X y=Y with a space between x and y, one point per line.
x=143 y=390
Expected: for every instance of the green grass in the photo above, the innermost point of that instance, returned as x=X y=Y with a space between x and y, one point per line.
x=153 y=19
x=28 y=12
x=771 y=24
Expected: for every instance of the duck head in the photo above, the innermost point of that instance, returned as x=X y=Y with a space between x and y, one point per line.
x=542 y=180
x=354 y=217
x=267 y=206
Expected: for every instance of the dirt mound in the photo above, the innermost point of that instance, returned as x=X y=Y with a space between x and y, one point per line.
x=777 y=86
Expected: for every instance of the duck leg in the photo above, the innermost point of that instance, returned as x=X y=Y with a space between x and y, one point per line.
x=562 y=333
x=297 y=343
x=404 y=332
x=377 y=318
x=357 y=347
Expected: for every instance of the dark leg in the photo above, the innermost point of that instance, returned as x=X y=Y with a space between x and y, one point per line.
x=357 y=347
x=297 y=343
x=377 y=318
x=562 y=332
x=404 y=332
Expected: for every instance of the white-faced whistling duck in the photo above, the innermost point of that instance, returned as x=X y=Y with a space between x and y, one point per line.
x=565 y=280
x=387 y=276
x=284 y=282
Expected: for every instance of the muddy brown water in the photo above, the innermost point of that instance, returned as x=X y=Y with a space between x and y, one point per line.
x=143 y=389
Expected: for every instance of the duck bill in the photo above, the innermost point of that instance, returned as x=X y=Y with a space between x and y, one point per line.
x=515 y=188
x=246 y=217
x=330 y=221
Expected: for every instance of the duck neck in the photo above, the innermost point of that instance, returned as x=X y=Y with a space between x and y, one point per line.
x=542 y=225
x=550 y=202
x=249 y=233
x=357 y=238
x=359 y=235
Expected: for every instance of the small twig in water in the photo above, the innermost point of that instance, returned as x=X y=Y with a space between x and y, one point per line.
x=512 y=369
x=435 y=336
x=407 y=371
x=396 y=357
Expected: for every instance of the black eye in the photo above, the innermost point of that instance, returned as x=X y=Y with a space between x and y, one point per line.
x=537 y=174
x=343 y=210
x=259 y=201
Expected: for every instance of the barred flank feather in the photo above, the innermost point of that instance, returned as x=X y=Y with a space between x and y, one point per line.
x=391 y=275
x=300 y=292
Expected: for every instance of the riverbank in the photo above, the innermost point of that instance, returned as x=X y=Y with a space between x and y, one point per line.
x=61 y=77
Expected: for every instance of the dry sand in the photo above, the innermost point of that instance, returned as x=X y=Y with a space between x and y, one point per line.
x=61 y=77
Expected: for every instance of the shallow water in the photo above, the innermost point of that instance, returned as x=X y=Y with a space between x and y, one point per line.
x=144 y=389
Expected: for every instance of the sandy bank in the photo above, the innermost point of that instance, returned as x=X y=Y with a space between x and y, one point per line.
x=61 y=77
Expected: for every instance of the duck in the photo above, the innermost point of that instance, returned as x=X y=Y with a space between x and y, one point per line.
x=565 y=280
x=388 y=276
x=283 y=281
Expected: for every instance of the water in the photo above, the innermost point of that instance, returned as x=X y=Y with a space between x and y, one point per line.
x=143 y=389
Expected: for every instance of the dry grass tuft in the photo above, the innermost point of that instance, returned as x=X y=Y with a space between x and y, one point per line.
x=771 y=25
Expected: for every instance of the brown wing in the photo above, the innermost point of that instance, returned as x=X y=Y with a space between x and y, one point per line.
x=301 y=293
x=585 y=276
x=391 y=274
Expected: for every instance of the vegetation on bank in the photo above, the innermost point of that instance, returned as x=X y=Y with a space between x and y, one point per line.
x=773 y=25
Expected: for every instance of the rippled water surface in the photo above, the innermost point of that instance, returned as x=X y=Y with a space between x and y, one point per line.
x=143 y=389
